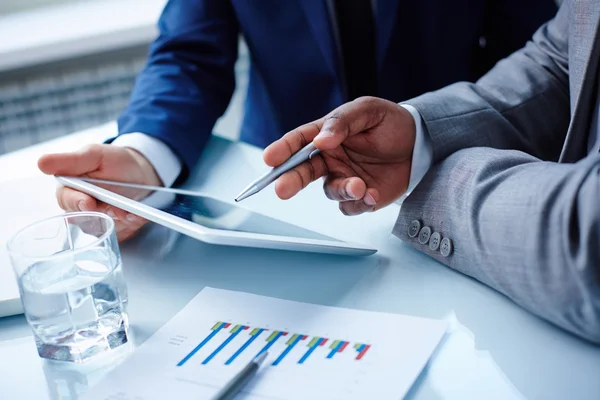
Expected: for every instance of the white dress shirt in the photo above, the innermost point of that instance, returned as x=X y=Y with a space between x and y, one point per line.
x=422 y=152
x=168 y=166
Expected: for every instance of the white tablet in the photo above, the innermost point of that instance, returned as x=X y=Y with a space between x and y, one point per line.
x=211 y=220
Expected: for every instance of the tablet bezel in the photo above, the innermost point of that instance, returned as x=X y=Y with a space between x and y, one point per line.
x=216 y=236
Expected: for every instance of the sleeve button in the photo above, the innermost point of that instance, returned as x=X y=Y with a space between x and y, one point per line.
x=424 y=235
x=446 y=247
x=434 y=241
x=414 y=228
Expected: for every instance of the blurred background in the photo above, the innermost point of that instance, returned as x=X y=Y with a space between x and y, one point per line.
x=68 y=65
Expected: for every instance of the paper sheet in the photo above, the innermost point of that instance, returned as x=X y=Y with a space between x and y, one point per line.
x=315 y=352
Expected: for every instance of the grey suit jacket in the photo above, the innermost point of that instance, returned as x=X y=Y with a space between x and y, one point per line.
x=511 y=184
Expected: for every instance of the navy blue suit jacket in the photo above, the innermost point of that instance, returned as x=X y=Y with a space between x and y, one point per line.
x=422 y=45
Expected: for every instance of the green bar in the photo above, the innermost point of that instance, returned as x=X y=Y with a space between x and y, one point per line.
x=254 y=331
x=357 y=346
x=236 y=328
x=313 y=342
x=272 y=336
x=217 y=326
x=335 y=343
x=294 y=336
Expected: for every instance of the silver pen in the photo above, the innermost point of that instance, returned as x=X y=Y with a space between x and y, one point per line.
x=262 y=182
x=237 y=383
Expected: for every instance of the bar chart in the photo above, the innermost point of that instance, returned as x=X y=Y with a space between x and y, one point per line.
x=239 y=339
x=313 y=352
x=312 y=345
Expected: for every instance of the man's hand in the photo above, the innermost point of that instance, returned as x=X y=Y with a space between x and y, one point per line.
x=101 y=161
x=366 y=154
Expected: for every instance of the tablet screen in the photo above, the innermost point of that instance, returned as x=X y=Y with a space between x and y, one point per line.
x=213 y=213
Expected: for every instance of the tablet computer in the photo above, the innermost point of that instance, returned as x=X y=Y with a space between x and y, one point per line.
x=211 y=220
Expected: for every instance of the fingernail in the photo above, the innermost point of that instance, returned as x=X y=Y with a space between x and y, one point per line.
x=111 y=214
x=369 y=200
x=349 y=191
x=131 y=218
x=82 y=206
x=324 y=134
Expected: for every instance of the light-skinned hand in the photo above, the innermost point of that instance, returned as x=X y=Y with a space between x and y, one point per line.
x=101 y=161
x=366 y=154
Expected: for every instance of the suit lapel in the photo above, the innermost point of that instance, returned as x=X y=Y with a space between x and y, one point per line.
x=385 y=19
x=317 y=15
x=584 y=52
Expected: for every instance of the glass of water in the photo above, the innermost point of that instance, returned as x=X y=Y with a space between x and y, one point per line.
x=72 y=288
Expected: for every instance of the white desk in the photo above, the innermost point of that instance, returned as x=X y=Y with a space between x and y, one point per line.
x=498 y=351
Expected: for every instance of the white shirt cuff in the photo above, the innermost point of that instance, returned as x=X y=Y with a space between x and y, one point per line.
x=166 y=164
x=422 y=152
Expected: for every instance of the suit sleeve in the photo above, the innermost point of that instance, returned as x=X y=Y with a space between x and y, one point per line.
x=189 y=77
x=522 y=103
x=528 y=228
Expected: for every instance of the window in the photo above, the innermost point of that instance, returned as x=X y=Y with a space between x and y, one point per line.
x=9 y=6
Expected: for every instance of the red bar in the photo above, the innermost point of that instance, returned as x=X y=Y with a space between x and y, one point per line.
x=226 y=325
x=304 y=337
x=363 y=352
x=323 y=341
x=284 y=334
x=246 y=327
x=343 y=347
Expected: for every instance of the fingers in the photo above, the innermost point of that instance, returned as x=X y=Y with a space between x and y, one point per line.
x=125 y=223
x=350 y=119
x=85 y=161
x=352 y=193
x=282 y=149
x=77 y=163
x=328 y=133
x=341 y=188
x=367 y=204
x=127 y=228
x=293 y=181
x=73 y=200
x=125 y=233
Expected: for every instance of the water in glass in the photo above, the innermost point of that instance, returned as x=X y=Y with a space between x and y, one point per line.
x=76 y=304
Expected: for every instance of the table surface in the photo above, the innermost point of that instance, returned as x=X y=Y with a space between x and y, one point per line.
x=495 y=350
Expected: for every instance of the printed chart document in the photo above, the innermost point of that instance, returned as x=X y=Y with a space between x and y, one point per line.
x=315 y=352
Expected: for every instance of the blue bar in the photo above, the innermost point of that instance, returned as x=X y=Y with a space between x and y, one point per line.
x=222 y=346
x=203 y=343
x=286 y=351
x=248 y=342
x=336 y=349
x=361 y=348
x=309 y=352
x=271 y=343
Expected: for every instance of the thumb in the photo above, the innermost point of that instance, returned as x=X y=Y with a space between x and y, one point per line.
x=81 y=162
x=350 y=119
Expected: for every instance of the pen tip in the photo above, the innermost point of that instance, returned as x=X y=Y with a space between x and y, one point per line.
x=261 y=357
x=246 y=193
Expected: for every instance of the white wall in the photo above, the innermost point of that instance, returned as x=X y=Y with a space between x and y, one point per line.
x=7 y=6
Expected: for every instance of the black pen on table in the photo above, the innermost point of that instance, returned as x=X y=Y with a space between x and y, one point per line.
x=237 y=383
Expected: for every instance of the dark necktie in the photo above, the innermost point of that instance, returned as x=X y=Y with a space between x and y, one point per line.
x=356 y=28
